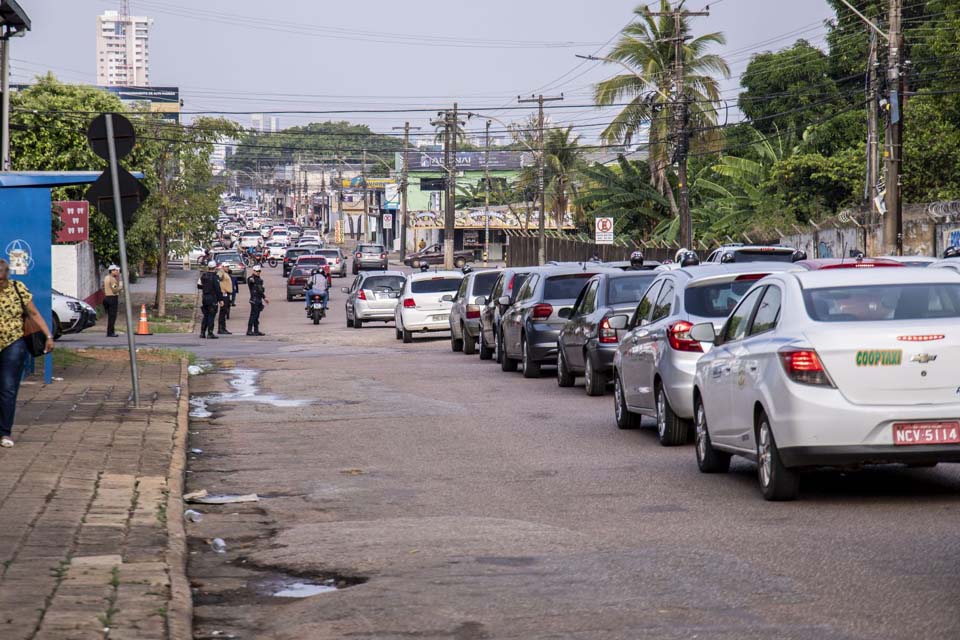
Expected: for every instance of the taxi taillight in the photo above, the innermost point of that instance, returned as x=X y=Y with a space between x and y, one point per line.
x=804 y=366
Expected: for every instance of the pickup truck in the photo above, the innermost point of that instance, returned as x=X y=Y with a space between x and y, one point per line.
x=434 y=255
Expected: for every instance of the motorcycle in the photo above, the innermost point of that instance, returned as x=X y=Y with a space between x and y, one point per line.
x=317 y=312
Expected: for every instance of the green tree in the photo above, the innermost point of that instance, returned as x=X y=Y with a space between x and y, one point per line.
x=563 y=160
x=646 y=49
x=788 y=89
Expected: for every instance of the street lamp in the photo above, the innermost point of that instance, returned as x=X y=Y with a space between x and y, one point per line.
x=14 y=22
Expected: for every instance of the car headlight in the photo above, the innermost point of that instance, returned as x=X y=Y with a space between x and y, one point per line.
x=74 y=306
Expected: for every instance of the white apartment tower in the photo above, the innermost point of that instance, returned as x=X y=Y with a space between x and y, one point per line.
x=123 y=52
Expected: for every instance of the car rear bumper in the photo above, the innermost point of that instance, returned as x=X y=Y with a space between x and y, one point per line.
x=602 y=356
x=415 y=320
x=874 y=454
x=365 y=313
x=366 y=263
x=471 y=328
x=295 y=292
x=542 y=343
x=677 y=370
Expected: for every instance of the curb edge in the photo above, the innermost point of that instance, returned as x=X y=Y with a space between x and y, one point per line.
x=180 y=613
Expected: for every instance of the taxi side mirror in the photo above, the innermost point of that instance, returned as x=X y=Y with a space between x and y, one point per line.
x=480 y=301
x=703 y=332
x=447 y=298
x=503 y=301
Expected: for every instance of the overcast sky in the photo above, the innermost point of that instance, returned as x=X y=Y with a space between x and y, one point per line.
x=375 y=54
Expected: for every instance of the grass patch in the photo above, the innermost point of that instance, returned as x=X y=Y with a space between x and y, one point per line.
x=63 y=357
x=178 y=327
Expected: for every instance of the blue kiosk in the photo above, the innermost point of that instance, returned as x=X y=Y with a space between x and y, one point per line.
x=25 y=232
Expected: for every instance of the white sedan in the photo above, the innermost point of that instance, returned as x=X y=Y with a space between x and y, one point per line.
x=830 y=368
x=425 y=302
x=276 y=249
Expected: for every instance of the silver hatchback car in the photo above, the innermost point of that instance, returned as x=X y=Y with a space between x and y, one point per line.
x=656 y=360
x=373 y=296
x=473 y=293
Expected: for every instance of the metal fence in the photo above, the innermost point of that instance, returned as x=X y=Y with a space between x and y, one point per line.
x=522 y=251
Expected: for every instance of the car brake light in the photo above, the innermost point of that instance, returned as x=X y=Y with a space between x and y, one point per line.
x=678 y=335
x=359 y=255
x=409 y=303
x=804 y=366
x=510 y=284
x=750 y=276
x=922 y=338
x=361 y=295
x=473 y=312
x=383 y=256
x=542 y=311
x=606 y=335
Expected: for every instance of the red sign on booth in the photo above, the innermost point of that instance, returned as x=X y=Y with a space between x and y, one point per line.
x=75 y=215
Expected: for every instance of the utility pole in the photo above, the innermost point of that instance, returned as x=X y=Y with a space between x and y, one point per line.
x=486 y=194
x=404 y=172
x=450 y=123
x=893 y=219
x=541 y=171
x=681 y=108
x=340 y=193
x=363 y=218
x=873 y=129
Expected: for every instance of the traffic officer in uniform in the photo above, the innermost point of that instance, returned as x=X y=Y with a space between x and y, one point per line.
x=112 y=286
x=258 y=298
x=211 y=299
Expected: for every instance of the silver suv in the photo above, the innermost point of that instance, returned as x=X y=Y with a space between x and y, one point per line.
x=655 y=362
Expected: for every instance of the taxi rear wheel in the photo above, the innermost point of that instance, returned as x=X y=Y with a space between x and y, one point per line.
x=531 y=369
x=625 y=418
x=486 y=353
x=564 y=377
x=469 y=344
x=777 y=482
x=709 y=460
x=594 y=382
x=671 y=429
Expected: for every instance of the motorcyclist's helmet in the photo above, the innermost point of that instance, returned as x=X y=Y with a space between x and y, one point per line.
x=636 y=259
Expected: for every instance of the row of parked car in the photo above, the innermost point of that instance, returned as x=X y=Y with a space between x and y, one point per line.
x=759 y=352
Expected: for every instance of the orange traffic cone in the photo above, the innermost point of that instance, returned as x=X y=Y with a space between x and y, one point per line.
x=143 y=329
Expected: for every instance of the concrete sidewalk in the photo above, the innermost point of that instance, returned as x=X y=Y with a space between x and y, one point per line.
x=85 y=541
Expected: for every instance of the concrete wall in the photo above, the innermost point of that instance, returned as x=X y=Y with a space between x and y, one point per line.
x=75 y=271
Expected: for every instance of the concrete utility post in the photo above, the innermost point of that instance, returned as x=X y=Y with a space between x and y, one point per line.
x=873 y=128
x=893 y=220
x=364 y=222
x=681 y=117
x=340 y=193
x=541 y=172
x=14 y=22
x=404 y=175
x=486 y=194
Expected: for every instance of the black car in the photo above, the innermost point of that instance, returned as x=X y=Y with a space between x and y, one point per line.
x=529 y=328
x=588 y=341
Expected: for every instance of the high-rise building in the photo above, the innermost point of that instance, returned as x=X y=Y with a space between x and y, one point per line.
x=264 y=123
x=123 y=51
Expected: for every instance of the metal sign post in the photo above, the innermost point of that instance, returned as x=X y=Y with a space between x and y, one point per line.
x=124 y=273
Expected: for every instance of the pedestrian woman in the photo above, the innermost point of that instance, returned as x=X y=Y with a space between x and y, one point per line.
x=16 y=304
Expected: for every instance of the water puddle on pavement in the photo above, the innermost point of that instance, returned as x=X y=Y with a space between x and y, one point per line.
x=304 y=590
x=245 y=389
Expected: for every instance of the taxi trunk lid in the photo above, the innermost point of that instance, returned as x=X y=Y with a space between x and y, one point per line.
x=884 y=363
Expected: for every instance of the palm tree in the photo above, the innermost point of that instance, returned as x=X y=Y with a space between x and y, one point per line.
x=563 y=159
x=646 y=49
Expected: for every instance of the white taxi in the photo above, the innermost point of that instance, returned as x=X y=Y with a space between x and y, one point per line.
x=830 y=368
x=425 y=302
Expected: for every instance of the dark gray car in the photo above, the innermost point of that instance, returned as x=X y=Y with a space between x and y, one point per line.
x=588 y=341
x=529 y=328
x=507 y=285
x=465 y=312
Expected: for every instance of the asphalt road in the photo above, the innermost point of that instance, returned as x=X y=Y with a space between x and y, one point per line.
x=452 y=500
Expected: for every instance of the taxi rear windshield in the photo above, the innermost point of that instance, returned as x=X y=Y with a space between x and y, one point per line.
x=715 y=300
x=764 y=255
x=383 y=283
x=565 y=287
x=435 y=285
x=872 y=303
x=629 y=288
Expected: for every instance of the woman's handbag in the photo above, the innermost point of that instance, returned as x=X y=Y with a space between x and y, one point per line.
x=33 y=334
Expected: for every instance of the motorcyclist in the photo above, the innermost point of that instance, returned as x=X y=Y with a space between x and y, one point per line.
x=317 y=285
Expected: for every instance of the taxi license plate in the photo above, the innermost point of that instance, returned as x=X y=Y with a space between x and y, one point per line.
x=911 y=433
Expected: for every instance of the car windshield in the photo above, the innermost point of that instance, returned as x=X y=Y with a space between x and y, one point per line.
x=565 y=287
x=435 y=285
x=764 y=255
x=628 y=289
x=370 y=248
x=329 y=254
x=483 y=283
x=227 y=257
x=908 y=301
x=300 y=272
x=715 y=300
x=312 y=260
x=383 y=283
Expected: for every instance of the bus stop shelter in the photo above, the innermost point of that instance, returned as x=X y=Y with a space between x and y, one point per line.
x=26 y=233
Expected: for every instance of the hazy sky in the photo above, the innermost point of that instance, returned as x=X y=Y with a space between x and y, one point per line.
x=379 y=54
